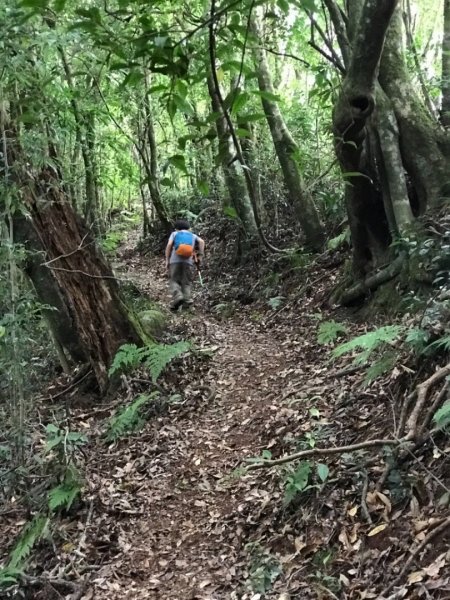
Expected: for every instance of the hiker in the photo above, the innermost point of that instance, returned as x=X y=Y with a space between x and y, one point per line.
x=183 y=249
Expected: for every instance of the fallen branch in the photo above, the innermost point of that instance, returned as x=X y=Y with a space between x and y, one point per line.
x=422 y=391
x=266 y=464
x=429 y=538
x=364 y=508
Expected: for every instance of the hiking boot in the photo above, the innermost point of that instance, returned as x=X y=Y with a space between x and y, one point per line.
x=175 y=305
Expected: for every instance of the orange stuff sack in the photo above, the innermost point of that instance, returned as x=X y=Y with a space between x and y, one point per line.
x=184 y=244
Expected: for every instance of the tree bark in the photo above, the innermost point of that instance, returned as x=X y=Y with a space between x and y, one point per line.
x=232 y=169
x=85 y=281
x=151 y=160
x=354 y=107
x=286 y=150
x=85 y=138
x=419 y=133
x=445 y=85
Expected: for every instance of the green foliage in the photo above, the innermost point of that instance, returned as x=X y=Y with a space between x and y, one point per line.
x=339 y=240
x=63 y=495
x=111 y=240
x=154 y=357
x=264 y=569
x=63 y=441
x=9 y=576
x=442 y=416
x=30 y=535
x=442 y=344
x=129 y=419
x=329 y=331
x=417 y=338
x=382 y=365
x=369 y=342
x=297 y=481
x=275 y=302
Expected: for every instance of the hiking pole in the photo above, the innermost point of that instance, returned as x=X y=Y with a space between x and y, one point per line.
x=200 y=278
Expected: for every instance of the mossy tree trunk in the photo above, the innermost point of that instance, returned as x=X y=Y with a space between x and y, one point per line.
x=445 y=85
x=420 y=136
x=149 y=156
x=82 y=281
x=232 y=169
x=389 y=146
x=352 y=111
x=286 y=150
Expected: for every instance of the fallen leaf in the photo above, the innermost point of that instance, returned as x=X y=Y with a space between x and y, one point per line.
x=377 y=530
x=415 y=577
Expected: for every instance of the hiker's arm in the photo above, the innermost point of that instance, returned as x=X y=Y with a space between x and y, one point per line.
x=201 y=246
x=168 y=252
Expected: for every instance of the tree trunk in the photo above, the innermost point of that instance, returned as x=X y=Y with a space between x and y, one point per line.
x=445 y=85
x=85 y=139
x=286 y=150
x=92 y=206
x=86 y=284
x=420 y=137
x=232 y=169
x=355 y=105
x=151 y=160
x=47 y=290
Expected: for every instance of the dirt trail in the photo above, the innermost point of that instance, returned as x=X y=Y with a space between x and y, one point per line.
x=179 y=522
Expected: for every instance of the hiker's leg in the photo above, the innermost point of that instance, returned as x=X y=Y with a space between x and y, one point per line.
x=175 y=284
x=186 y=283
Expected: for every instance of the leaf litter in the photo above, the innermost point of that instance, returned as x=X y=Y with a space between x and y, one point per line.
x=176 y=516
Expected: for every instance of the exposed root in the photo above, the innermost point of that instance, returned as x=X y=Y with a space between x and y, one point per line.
x=433 y=408
x=422 y=391
x=371 y=283
x=414 y=553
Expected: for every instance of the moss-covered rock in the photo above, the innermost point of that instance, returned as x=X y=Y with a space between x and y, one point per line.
x=153 y=322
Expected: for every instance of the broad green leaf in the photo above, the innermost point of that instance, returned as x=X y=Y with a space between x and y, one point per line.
x=268 y=96
x=230 y=211
x=179 y=162
x=322 y=471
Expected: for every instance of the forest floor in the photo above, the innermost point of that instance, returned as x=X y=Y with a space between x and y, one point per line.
x=170 y=513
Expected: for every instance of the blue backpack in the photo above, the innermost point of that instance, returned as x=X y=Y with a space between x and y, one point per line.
x=184 y=242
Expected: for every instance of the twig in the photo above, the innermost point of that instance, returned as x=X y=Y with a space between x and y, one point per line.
x=437 y=530
x=284 y=55
x=86 y=527
x=422 y=390
x=346 y=371
x=323 y=452
x=69 y=388
x=364 y=508
x=77 y=249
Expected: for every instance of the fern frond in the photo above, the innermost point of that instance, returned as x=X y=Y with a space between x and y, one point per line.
x=65 y=493
x=8 y=576
x=368 y=342
x=329 y=331
x=158 y=356
x=130 y=418
x=127 y=358
x=442 y=343
x=442 y=416
x=31 y=534
x=381 y=366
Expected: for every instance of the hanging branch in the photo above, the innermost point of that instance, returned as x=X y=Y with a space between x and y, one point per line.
x=332 y=56
x=244 y=47
x=340 y=28
x=415 y=55
x=237 y=146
